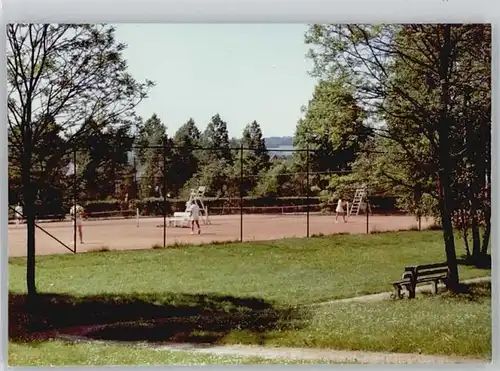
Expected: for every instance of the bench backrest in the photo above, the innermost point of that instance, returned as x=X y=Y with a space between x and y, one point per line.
x=431 y=269
x=430 y=266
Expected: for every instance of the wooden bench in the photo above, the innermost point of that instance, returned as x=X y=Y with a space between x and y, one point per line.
x=417 y=274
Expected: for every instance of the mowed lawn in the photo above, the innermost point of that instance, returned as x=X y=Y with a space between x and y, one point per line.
x=58 y=353
x=444 y=324
x=255 y=293
x=289 y=271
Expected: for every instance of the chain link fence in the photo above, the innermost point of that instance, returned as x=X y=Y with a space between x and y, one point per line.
x=242 y=194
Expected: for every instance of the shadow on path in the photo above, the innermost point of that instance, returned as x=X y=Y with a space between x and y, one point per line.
x=166 y=317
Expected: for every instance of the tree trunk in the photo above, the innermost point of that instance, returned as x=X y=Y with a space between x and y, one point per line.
x=474 y=187
x=485 y=163
x=466 y=244
x=476 y=238
x=446 y=195
x=29 y=195
x=465 y=233
x=449 y=240
x=487 y=232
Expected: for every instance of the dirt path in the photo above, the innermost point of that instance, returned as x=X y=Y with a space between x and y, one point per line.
x=305 y=354
x=308 y=354
x=298 y=354
x=387 y=295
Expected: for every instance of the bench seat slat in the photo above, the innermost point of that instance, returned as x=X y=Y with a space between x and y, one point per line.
x=406 y=282
x=430 y=279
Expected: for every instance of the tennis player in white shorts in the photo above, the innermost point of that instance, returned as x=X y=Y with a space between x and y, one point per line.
x=340 y=210
x=194 y=213
x=78 y=211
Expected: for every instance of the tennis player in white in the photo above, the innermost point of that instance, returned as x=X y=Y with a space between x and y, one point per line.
x=194 y=213
x=78 y=211
x=340 y=210
x=19 y=214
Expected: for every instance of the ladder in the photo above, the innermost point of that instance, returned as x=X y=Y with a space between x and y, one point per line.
x=358 y=199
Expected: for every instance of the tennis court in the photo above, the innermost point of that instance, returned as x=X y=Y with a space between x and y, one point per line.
x=127 y=234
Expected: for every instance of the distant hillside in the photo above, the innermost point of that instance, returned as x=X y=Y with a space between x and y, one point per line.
x=284 y=144
x=277 y=142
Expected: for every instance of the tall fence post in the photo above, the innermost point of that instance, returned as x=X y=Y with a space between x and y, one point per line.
x=75 y=180
x=241 y=192
x=164 y=194
x=307 y=190
x=136 y=187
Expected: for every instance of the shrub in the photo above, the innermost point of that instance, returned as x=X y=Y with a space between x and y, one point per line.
x=153 y=206
x=103 y=206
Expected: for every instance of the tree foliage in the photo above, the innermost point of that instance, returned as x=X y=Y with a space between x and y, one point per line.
x=412 y=79
x=152 y=156
x=186 y=162
x=64 y=81
x=255 y=156
x=216 y=138
x=103 y=166
x=333 y=130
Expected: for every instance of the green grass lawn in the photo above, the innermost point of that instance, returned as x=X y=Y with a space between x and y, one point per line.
x=57 y=353
x=239 y=293
x=291 y=271
x=445 y=324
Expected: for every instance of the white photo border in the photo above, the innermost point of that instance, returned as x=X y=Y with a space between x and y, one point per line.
x=256 y=11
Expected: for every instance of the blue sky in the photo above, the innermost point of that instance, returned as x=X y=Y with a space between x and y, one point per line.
x=244 y=72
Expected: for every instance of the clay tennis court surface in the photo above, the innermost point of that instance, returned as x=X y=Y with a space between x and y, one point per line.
x=124 y=234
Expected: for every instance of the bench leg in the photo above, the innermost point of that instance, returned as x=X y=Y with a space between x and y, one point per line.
x=397 y=291
x=411 y=291
x=435 y=287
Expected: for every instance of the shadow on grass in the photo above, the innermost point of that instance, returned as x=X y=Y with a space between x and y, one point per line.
x=481 y=262
x=469 y=292
x=472 y=291
x=155 y=318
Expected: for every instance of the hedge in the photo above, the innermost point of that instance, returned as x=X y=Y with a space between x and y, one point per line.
x=154 y=206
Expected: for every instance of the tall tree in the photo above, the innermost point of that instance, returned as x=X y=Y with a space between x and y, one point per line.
x=216 y=136
x=186 y=157
x=255 y=156
x=252 y=138
x=151 y=134
x=217 y=160
x=153 y=158
x=69 y=75
x=105 y=162
x=409 y=76
x=333 y=129
x=473 y=123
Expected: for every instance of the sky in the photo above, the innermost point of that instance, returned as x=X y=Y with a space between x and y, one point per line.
x=244 y=72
